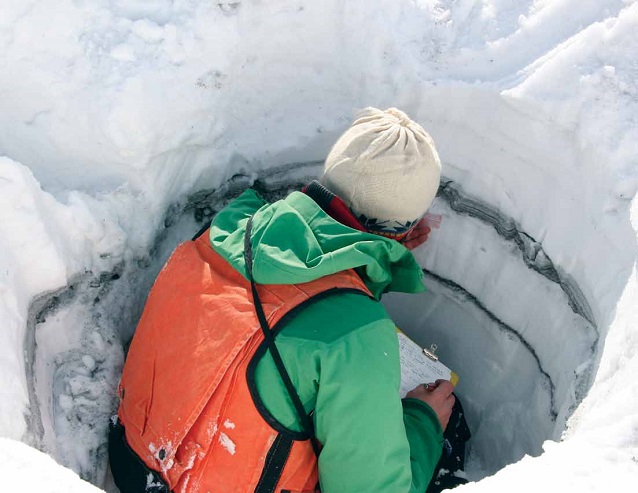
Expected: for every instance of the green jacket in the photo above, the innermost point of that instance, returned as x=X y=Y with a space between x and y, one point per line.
x=342 y=351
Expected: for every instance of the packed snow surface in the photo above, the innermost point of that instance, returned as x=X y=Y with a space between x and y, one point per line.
x=125 y=125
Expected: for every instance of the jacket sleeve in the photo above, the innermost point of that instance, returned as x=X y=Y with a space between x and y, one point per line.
x=372 y=441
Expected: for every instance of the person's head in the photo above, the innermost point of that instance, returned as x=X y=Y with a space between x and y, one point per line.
x=386 y=169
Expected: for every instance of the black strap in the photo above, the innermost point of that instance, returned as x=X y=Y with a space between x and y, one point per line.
x=201 y=231
x=306 y=422
x=274 y=465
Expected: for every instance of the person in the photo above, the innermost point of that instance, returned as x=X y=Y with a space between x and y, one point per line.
x=264 y=361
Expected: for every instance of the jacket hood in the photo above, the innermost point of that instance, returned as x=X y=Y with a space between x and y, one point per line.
x=295 y=241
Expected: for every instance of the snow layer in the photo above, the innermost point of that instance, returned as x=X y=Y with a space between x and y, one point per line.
x=113 y=113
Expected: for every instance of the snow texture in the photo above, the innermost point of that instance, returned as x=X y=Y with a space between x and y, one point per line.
x=28 y=470
x=227 y=443
x=126 y=125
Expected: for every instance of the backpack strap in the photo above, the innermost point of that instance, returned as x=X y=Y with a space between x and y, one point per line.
x=305 y=420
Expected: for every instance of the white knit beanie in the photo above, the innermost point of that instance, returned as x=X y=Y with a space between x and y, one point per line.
x=386 y=169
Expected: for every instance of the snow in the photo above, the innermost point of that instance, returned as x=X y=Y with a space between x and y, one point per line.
x=28 y=470
x=227 y=443
x=124 y=125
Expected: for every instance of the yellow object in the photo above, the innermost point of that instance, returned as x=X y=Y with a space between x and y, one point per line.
x=454 y=379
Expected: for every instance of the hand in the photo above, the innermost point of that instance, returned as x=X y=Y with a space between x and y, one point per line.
x=438 y=396
x=420 y=232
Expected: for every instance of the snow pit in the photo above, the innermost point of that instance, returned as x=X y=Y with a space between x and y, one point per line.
x=127 y=125
x=515 y=326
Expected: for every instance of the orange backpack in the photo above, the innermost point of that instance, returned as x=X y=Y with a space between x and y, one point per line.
x=190 y=414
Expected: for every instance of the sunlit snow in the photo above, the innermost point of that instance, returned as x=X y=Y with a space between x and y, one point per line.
x=126 y=125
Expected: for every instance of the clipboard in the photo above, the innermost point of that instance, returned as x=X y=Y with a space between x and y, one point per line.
x=419 y=365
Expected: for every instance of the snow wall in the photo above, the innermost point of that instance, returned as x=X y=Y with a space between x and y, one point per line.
x=126 y=125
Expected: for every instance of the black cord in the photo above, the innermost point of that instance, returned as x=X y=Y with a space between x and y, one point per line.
x=306 y=422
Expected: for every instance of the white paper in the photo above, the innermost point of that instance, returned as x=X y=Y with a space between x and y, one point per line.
x=416 y=367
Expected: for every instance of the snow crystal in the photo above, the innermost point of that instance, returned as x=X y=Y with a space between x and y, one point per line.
x=151 y=483
x=212 y=430
x=88 y=361
x=227 y=443
x=229 y=424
